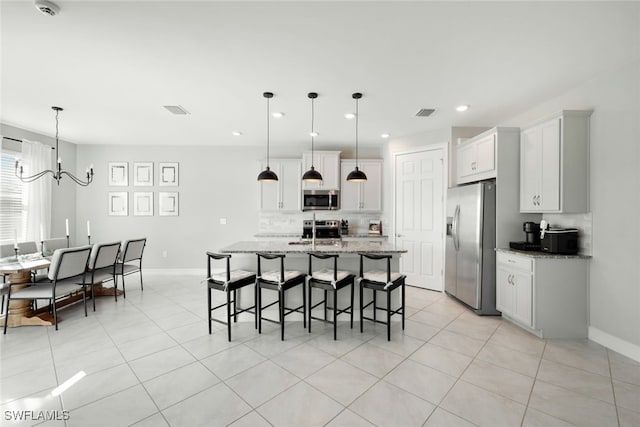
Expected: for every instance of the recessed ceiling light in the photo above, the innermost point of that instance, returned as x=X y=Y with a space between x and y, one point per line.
x=462 y=108
x=385 y=135
x=349 y=116
x=236 y=133
x=314 y=133
x=277 y=114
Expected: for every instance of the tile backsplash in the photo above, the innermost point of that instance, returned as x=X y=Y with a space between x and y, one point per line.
x=582 y=222
x=278 y=222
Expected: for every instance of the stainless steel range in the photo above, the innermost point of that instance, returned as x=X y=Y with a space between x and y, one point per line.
x=325 y=229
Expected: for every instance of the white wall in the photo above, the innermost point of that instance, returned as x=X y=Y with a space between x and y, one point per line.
x=615 y=200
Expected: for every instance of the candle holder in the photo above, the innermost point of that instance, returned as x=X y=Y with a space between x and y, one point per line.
x=16 y=250
x=42 y=247
x=89 y=239
x=67 y=240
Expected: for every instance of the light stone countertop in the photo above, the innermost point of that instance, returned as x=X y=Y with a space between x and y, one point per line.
x=537 y=254
x=351 y=247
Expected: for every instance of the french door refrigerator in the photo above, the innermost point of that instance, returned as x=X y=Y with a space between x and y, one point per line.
x=470 y=264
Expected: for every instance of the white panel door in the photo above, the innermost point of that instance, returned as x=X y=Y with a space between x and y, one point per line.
x=419 y=179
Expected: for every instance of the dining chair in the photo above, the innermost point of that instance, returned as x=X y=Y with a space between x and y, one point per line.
x=381 y=281
x=129 y=262
x=102 y=265
x=280 y=280
x=26 y=248
x=329 y=280
x=50 y=245
x=66 y=272
x=7 y=250
x=228 y=281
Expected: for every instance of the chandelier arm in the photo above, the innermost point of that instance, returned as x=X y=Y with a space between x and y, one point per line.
x=32 y=178
x=77 y=180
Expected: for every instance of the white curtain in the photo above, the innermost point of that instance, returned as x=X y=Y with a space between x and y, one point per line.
x=36 y=157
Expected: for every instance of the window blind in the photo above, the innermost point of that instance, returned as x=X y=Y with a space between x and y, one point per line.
x=13 y=210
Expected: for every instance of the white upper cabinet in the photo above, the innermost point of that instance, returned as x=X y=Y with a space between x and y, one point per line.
x=328 y=164
x=283 y=195
x=476 y=158
x=361 y=196
x=554 y=164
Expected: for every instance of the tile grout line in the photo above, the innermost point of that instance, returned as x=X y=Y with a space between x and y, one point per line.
x=535 y=379
x=613 y=388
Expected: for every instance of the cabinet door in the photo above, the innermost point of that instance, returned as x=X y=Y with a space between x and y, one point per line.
x=349 y=191
x=466 y=158
x=504 y=291
x=371 y=190
x=530 y=169
x=550 y=166
x=270 y=191
x=328 y=164
x=485 y=154
x=290 y=175
x=523 y=299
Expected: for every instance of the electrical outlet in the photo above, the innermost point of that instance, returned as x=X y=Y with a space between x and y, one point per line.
x=223 y=221
x=164 y=254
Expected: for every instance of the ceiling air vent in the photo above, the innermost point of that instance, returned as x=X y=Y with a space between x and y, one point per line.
x=176 y=109
x=425 y=112
x=46 y=7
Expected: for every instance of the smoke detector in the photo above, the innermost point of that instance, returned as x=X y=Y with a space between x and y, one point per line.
x=47 y=8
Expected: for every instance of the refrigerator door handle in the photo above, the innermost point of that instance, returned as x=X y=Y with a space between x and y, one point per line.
x=454 y=226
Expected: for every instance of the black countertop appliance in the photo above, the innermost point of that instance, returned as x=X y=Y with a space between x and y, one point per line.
x=532 y=238
x=560 y=241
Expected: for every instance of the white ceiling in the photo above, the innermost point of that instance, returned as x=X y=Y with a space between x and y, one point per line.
x=112 y=65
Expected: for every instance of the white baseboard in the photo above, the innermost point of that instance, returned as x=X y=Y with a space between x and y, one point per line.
x=175 y=271
x=616 y=344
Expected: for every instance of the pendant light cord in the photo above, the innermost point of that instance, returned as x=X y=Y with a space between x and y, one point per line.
x=312 y=138
x=57 y=152
x=357 y=117
x=268 y=132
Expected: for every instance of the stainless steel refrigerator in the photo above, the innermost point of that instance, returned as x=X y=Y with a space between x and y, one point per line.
x=470 y=264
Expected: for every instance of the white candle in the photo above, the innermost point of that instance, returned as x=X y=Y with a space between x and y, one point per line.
x=88 y=228
x=15 y=239
x=41 y=233
x=66 y=223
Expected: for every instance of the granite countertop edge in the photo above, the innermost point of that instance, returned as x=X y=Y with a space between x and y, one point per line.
x=535 y=254
x=298 y=235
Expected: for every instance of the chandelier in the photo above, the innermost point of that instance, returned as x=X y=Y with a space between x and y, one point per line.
x=58 y=173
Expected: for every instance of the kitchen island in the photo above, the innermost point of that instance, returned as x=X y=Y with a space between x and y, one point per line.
x=304 y=246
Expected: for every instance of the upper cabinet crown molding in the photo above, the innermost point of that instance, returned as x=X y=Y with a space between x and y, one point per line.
x=328 y=164
x=554 y=164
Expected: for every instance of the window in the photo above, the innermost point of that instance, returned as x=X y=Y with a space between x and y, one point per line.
x=12 y=203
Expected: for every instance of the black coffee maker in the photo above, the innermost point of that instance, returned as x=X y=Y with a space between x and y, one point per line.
x=532 y=238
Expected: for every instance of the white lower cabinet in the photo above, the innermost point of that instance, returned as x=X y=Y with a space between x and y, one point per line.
x=547 y=295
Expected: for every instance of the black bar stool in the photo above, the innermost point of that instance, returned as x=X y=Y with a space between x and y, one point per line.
x=229 y=282
x=329 y=281
x=281 y=281
x=384 y=281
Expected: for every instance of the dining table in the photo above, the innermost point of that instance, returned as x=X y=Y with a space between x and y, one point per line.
x=18 y=274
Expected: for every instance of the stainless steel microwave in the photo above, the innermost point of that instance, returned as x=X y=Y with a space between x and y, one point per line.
x=320 y=200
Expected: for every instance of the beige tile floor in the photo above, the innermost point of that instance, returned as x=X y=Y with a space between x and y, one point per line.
x=149 y=361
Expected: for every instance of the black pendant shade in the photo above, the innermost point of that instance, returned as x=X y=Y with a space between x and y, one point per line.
x=267 y=175
x=312 y=175
x=356 y=175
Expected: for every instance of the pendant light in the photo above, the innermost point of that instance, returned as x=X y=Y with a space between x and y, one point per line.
x=268 y=175
x=356 y=175
x=312 y=175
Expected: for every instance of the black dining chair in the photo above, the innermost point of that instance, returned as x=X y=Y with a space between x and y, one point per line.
x=329 y=280
x=279 y=280
x=381 y=281
x=229 y=282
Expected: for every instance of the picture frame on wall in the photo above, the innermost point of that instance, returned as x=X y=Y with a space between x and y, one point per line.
x=143 y=203
x=168 y=174
x=118 y=203
x=143 y=174
x=168 y=203
x=118 y=174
